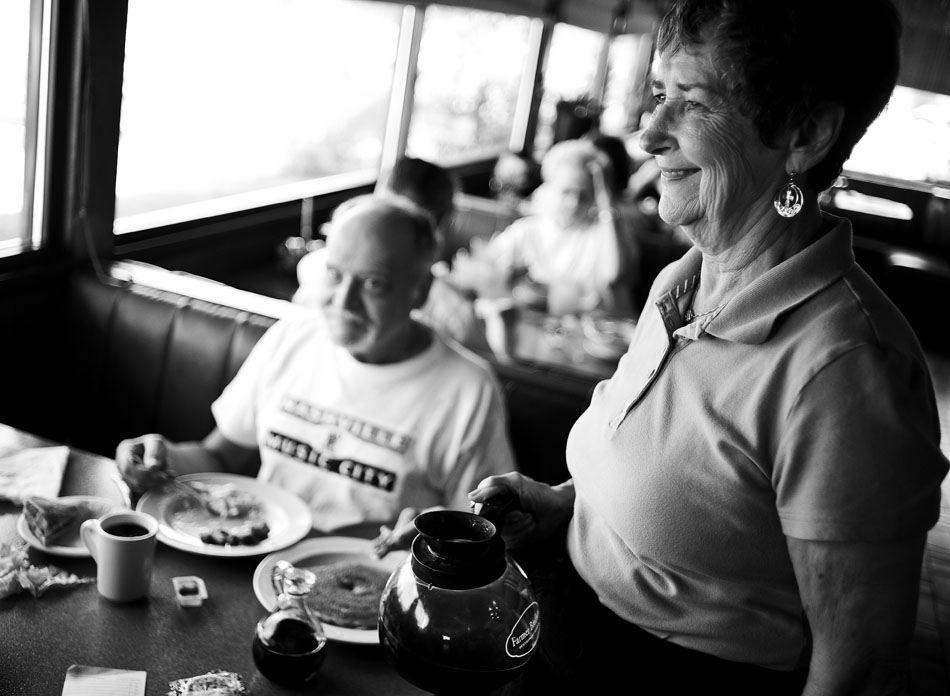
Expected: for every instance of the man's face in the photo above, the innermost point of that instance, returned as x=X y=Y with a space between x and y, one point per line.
x=373 y=281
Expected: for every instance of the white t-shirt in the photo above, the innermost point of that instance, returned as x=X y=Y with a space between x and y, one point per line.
x=358 y=441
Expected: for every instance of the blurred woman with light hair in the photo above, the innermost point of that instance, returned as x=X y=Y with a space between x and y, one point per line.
x=573 y=243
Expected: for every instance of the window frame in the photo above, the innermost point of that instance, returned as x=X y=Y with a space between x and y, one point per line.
x=39 y=75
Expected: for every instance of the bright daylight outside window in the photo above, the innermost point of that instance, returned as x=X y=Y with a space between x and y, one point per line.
x=228 y=97
x=909 y=141
x=470 y=66
x=15 y=189
x=568 y=75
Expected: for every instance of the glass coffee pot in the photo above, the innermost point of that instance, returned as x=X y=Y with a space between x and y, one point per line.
x=289 y=644
x=459 y=615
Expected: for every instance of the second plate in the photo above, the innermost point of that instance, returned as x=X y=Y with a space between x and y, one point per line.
x=322 y=551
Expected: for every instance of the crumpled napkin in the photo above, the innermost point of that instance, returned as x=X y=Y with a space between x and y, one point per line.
x=17 y=573
x=214 y=683
x=34 y=471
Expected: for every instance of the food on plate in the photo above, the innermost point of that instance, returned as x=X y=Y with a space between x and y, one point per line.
x=227 y=515
x=226 y=500
x=49 y=519
x=246 y=534
x=347 y=593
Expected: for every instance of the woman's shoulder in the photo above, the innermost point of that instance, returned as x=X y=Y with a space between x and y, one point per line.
x=852 y=322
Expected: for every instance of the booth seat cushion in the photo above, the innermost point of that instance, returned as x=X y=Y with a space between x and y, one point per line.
x=143 y=360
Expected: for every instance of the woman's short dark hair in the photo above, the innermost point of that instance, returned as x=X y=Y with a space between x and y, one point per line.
x=782 y=58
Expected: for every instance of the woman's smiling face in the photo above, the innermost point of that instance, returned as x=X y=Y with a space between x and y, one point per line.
x=717 y=177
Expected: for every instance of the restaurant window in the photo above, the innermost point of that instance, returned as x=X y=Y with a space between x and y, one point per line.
x=569 y=74
x=469 y=71
x=910 y=141
x=24 y=45
x=228 y=104
x=625 y=92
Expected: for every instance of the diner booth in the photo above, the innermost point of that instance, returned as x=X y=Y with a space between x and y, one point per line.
x=107 y=336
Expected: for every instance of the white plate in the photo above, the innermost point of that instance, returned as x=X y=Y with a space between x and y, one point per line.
x=69 y=543
x=322 y=551
x=287 y=516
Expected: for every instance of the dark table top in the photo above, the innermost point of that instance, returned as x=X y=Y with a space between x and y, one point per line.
x=40 y=638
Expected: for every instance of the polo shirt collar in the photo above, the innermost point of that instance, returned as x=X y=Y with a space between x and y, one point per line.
x=749 y=316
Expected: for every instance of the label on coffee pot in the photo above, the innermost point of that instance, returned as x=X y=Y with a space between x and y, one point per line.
x=524 y=634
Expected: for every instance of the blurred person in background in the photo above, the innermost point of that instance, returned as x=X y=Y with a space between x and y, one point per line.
x=752 y=489
x=573 y=240
x=622 y=170
x=514 y=178
x=359 y=409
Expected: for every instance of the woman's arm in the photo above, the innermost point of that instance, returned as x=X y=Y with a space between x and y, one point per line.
x=860 y=600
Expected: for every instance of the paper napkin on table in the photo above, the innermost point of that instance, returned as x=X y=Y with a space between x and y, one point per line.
x=82 y=680
x=35 y=471
x=17 y=574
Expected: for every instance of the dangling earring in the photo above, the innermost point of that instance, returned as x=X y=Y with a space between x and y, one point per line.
x=788 y=201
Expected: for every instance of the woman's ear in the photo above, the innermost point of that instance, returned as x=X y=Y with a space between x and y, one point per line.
x=812 y=140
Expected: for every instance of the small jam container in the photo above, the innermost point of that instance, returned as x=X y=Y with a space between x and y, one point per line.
x=190 y=590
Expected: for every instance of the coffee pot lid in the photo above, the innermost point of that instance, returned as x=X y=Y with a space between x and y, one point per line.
x=457 y=550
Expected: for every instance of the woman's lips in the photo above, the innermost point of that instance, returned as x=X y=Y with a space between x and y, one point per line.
x=676 y=174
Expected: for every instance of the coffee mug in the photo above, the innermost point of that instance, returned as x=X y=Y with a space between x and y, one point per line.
x=123 y=546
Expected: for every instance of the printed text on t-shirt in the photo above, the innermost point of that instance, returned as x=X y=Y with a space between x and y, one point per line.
x=367 y=432
x=357 y=471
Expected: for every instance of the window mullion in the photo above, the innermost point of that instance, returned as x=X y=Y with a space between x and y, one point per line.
x=404 y=81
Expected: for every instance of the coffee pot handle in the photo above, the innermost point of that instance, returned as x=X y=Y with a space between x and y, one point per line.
x=496 y=508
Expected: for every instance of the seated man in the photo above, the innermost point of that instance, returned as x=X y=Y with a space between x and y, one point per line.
x=358 y=409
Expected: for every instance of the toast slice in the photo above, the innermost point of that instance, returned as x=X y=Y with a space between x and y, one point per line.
x=48 y=518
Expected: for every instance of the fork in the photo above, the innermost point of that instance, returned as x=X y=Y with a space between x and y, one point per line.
x=169 y=480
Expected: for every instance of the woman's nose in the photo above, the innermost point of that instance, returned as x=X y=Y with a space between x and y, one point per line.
x=656 y=136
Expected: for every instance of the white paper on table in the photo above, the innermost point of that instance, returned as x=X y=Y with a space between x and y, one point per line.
x=103 y=681
x=34 y=471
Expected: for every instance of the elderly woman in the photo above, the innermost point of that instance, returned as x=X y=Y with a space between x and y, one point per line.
x=752 y=489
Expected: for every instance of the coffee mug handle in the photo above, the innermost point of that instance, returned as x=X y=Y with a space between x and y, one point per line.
x=89 y=531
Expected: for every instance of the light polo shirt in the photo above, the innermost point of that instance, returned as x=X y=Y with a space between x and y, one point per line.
x=803 y=408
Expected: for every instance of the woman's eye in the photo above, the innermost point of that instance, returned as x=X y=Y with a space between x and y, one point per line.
x=659 y=99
